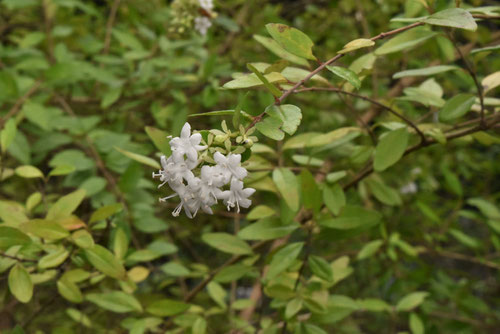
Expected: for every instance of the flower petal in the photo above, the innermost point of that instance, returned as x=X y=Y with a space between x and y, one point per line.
x=195 y=139
x=186 y=131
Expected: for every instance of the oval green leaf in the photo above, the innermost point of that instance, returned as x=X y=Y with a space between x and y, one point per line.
x=390 y=149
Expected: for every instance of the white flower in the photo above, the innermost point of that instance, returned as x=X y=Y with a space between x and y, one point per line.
x=174 y=172
x=202 y=192
x=231 y=165
x=201 y=24
x=186 y=144
x=184 y=195
x=237 y=196
x=206 y=4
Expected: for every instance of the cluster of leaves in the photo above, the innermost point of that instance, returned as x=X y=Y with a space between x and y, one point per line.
x=377 y=188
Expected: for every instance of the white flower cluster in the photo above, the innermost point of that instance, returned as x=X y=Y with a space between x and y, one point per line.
x=204 y=191
x=202 y=23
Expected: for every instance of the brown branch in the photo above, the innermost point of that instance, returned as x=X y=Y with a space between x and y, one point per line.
x=18 y=104
x=472 y=72
x=325 y=64
x=13 y=257
x=302 y=268
x=109 y=26
x=368 y=99
x=462 y=257
x=197 y=289
x=450 y=135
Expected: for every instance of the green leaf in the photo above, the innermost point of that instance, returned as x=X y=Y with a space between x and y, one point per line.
x=426 y=71
x=65 y=206
x=62 y=170
x=390 y=149
x=293 y=307
x=69 y=290
x=267 y=229
x=236 y=120
x=199 y=326
x=405 y=41
x=20 y=284
x=127 y=40
x=487 y=208
x=115 y=301
x=83 y=239
x=486 y=49
x=104 y=261
x=166 y=307
x=93 y=185
x=311 y=194
x=452 y=17
x=346 y=74
x=292 y=40
x=353 y=217
x=288 y=186
x=10 y=236
x=283 y=259
x=260 y=211
x=293 y=117
x=270 y=127
x=159 y=138
x=105 y=212
x=416 y=324
x=275 y=48
x=110 y=97
x=465 y=239
x=456 y=107
x=411 y=301
x=46 y=229
x=384 y=193
x=491 y=81
x=29 y=172
x=356 y=44
x=227 y=243
x=374 y=305
x=251 y=80
x=369 y=249
x=8 y=134
x=232 y=273
x=140 y=158
x=334 y=198
x=8 y=86
x=217 y=293
x=321 y=268
x=53 y=259
x=120 y=243
x=272 y=88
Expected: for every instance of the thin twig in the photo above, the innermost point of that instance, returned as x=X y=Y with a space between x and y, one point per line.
x=302 y=268
x=366 y=98
x=109 y=26
x=190 y=296
x=321 y=67
x=472 y=72
x=449 y=136
x=462 y=257
x=19 y=103
x=13 y=257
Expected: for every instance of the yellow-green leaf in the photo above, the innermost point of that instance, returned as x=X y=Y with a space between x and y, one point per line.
x=65 y=206
x=292 y=40
x=104 y=261
x=356 y=44
x=20 y=284
x=28 y=172
x=140 y=158
x=390 y=149
x=227 y=243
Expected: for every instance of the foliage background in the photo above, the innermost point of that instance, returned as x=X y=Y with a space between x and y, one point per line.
x=79 y=79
